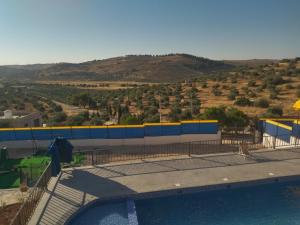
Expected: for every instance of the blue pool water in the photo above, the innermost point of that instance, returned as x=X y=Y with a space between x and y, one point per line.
x=114 y=213
x=269 y=204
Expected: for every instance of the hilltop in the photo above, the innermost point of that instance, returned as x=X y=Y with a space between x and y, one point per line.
x=141 y=68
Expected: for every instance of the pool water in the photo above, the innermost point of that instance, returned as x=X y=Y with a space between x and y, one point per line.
x=103 y=214
x=268 y=204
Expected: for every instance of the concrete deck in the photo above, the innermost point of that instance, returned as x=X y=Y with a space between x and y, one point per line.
x=78 y=186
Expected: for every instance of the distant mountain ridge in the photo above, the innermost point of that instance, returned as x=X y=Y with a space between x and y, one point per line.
x=143 y=68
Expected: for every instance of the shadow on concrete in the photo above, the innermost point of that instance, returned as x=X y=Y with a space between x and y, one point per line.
x=74 y=189
x=87 y=182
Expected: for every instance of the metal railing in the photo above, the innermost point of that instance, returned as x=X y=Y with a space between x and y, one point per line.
x=110 y=154
x=30 y=203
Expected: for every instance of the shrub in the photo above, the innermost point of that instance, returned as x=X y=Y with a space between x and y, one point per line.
x=275 y=111
x=59 y=117
x=204 y=85
x=130 y=120
x=152 y=118
x=78 y=120
x=242 y=101
x=251 y=83
x=233 y=93
x=233 y=80
x=4 y=124
x=216 y=92
x=274 y=80
x=96 y=121
x=262 y=103
x=251 y=94
x=273 y=95
x=186 y=115
x=259 y=89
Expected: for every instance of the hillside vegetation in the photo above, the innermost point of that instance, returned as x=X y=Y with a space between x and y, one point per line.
x=142 y=68
x=234 y=96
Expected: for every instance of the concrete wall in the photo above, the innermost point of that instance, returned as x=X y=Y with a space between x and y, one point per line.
x=277 y=134
x=30 y=120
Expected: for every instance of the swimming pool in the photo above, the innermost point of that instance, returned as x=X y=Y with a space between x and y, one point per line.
x=265 y=204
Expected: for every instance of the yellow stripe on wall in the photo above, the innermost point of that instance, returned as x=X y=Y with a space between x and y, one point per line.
x=279 y=125
x=277 y=119
x=111 y=126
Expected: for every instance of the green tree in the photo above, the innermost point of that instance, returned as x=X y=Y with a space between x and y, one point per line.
x=59 y=117
x=215 y=113
x=262 y=103
x=298 y=93
x=82 y=99
x=4 y=124
x=233 y=93
x=236 y=118
x=216 y=92
x=275 y=111
x=78 y=120
x=243 y=101
x=96 y=121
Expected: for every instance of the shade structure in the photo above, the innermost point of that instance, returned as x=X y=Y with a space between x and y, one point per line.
x=296 y=105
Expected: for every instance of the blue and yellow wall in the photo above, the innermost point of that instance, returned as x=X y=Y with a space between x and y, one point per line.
x=152 y=133
x=110 y=132
x=280 y=132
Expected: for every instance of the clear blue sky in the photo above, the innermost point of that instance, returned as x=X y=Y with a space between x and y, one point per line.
x=41 y=31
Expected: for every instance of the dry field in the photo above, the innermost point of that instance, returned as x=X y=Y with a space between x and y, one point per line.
x=286 y=98
x=96 y=85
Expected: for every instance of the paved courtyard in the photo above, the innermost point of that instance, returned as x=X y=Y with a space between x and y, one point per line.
x=78 y=186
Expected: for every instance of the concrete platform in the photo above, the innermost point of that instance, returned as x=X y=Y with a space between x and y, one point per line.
x=76 y=187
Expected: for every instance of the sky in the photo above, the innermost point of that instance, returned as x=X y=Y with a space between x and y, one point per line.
x=51 y=31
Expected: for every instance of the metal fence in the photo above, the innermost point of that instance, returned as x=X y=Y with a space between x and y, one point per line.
x=35 y=193
x=229 y=144
x=30 y=174
x=139 y=152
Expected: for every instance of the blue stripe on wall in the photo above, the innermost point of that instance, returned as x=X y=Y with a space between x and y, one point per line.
x=110 y=133
x=208 y=128
x=190 y=128
x=7 y=136
x=99 y=133
x=278 y=132
x=153 y=131
x=296 y=130
x=171 y=130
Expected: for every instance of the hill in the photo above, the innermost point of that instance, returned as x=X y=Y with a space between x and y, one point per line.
x=142 y=68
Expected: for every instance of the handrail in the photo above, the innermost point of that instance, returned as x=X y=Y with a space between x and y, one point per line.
x=35 y=193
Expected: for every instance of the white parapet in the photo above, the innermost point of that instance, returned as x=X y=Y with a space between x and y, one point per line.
x=30 y=146
x=275 y=142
